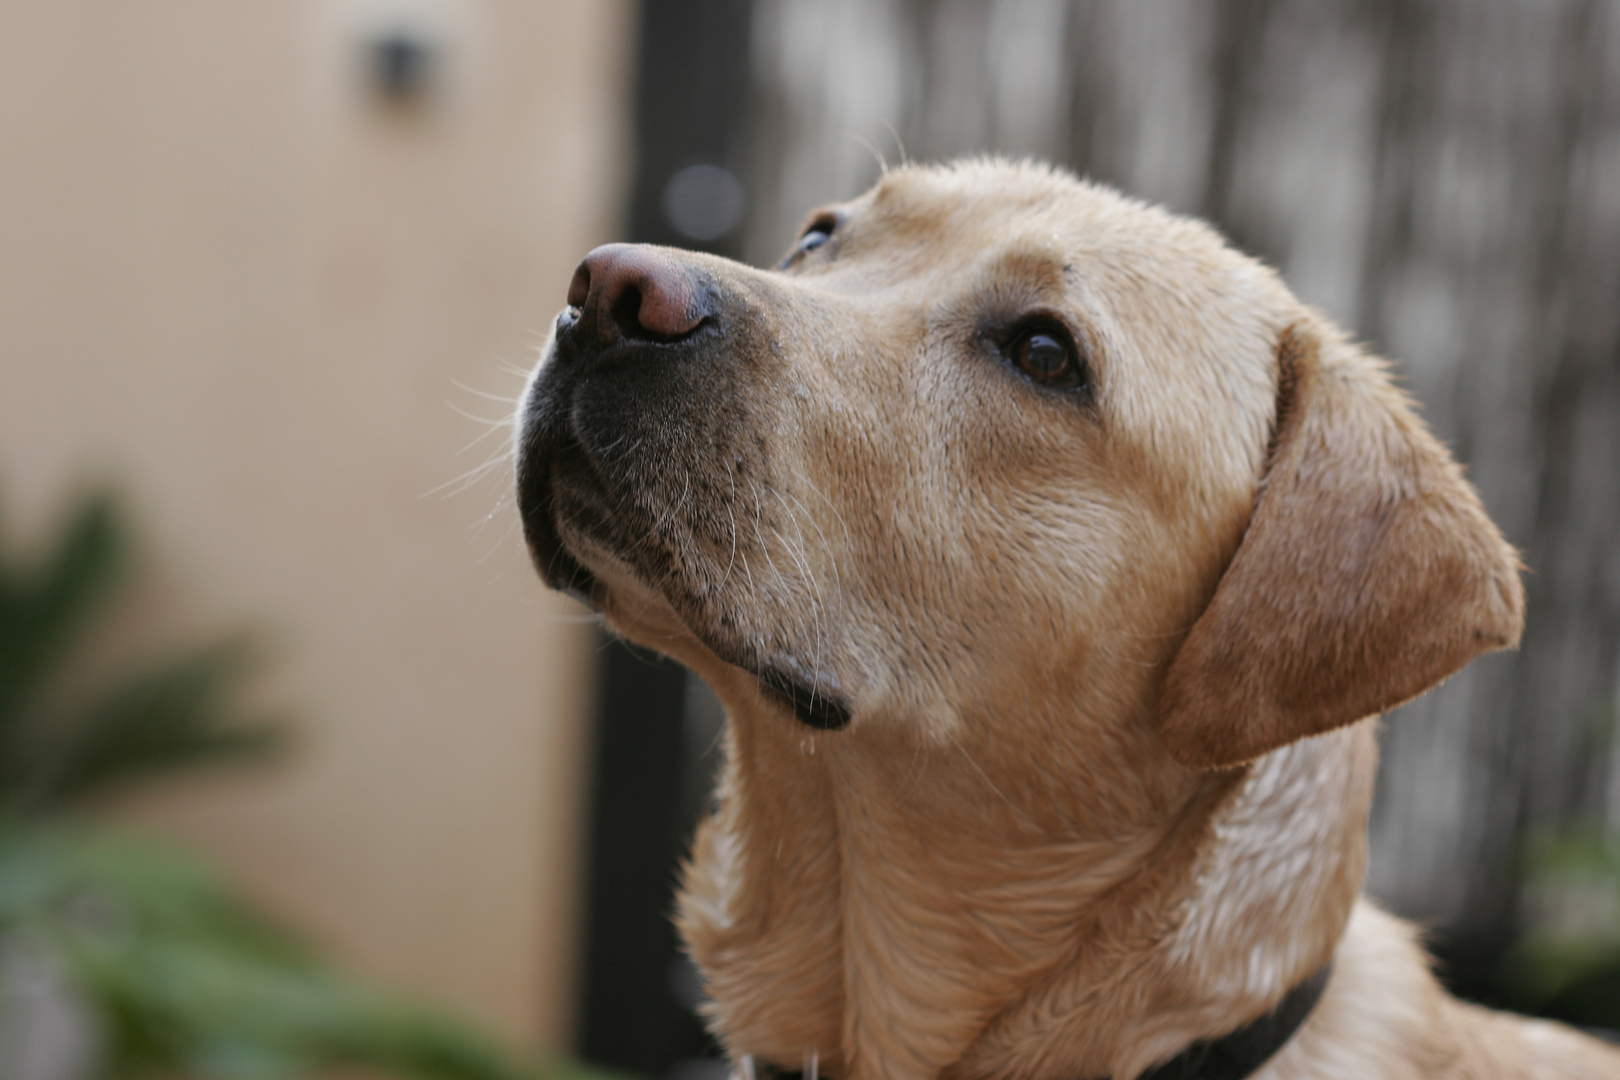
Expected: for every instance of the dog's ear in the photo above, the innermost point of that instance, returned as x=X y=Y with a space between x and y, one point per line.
x=1368 y=573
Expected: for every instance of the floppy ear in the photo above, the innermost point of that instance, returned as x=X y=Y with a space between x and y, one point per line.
x=1368 y=573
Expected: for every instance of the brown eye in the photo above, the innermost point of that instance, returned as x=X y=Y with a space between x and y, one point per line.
x=1046 y=358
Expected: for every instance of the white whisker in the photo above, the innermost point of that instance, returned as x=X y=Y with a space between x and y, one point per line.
x=451 y=488
x=502 y=398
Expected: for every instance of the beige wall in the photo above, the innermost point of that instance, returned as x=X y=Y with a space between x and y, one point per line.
x=233 y=282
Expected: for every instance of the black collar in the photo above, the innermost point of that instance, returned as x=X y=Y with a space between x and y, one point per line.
x=1240 y=1054
x=1231 y=1057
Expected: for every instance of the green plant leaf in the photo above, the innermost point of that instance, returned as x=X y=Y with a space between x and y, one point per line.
x=187 y=980
x=44 y=607
x=169 y=718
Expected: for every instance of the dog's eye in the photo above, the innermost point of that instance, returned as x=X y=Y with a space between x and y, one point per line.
x=1047 y=358
x=819 y=232
x=812 y=240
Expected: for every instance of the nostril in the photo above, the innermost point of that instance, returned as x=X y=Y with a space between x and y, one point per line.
x=626 y=313
x=579 y=289
x=667 y=306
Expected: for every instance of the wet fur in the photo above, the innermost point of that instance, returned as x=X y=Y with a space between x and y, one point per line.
x=1111 y=656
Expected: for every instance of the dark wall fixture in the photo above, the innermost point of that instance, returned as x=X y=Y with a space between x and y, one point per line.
x=401 y=63
x=655 y=734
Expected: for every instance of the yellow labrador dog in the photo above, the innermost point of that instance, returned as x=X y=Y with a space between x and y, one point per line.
x=1051 y=560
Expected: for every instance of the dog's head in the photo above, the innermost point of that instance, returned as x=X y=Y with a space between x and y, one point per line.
x=987 y=429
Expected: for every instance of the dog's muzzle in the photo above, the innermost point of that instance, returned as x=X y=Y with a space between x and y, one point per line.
x=628 y=307
x=645 y=392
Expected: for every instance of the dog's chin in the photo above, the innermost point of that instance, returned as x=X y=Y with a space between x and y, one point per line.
x=644 y=613
x=557 y=566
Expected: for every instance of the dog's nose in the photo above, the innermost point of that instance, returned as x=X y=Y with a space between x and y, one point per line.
x=637 y=292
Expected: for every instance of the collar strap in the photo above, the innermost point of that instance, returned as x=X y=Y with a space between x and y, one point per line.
x=1231 y=1057
x=1240 y=1054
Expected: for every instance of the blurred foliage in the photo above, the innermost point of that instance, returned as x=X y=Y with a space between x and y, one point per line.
x=1567 y=963
x=187 y=980
x=181 y=978
x=157 y=720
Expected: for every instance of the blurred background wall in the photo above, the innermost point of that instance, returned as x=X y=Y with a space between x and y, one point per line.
x=258 y=261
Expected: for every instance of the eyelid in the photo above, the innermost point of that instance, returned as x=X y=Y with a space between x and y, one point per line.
x=826 y=224
x=1006 y=331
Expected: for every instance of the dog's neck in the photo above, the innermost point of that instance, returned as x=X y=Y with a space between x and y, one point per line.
x=986 y=906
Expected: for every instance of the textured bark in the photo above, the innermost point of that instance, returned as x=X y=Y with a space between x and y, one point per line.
x=1443 y=178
